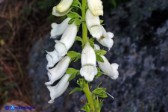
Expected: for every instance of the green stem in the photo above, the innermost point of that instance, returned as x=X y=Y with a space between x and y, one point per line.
x=86 y=89
x=89 y=96
x=84 y=27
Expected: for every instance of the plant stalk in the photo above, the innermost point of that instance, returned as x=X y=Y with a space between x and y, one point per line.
x=84 y=27
x=89 y=97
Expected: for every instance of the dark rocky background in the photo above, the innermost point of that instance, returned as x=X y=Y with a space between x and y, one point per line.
x=140 y=48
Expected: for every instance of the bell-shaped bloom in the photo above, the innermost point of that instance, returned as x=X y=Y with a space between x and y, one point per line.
x=58 y=71
x=106 y=39
x=88 y=60
x=58 y=89
x=52 y=58
x=58 y=29
x=68 y=37
x=61 y=48
x=93 y=25
x=96 y=7
x=110 y=70
x=62 y=8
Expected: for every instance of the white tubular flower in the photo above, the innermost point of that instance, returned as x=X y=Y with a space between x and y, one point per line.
x=61 y=48
x=110 y=70
x=67 y=40
x=59 y=89
x=68 y=37
x=95 y=7
x=93 y=24
x=52 y=58
x=62 y=8
x=58 y=29
x=106 y=39
x=88 y=70
x=58 y=71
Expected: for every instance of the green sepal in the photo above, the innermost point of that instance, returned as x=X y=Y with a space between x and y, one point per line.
x=73 y=72
x=75 y=56
x=99 y=58
x=100 y=92
x=77 y=89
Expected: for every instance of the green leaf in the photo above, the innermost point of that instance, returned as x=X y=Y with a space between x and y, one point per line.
x=73 y=15
x=77 y=89
x=76 y=3
x=75 y=56
x=91 y=41
x=80 y=40
x=99 y=73
x=81 y=82
x=100 y=92
x=99 y=58
x=101 y=52
x=73 y=72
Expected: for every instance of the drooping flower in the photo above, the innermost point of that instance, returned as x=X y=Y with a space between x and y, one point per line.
x=93 y=25
x=68 y=37
x=58 y=89
x=58 y=29
x=96 y=7
x=88 y=60
x=106 y=39
x=58 y=71
x=52 y=58
x=62 y=46
x=62 y=8
x=110 y=70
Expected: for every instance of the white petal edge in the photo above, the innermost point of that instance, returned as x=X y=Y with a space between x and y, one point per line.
x=52 y=58
x=88 y=72
x=59 y=89
x=58 y=29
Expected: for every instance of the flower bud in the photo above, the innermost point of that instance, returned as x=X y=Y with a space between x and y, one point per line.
x=58 y=89
x=62 y=8
x=58 y=71
x=96 y=7
x=58 y=29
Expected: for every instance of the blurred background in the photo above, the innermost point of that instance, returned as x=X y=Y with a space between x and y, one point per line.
x=140 y=48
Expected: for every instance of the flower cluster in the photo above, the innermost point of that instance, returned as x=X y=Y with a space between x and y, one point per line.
x=59 y=60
